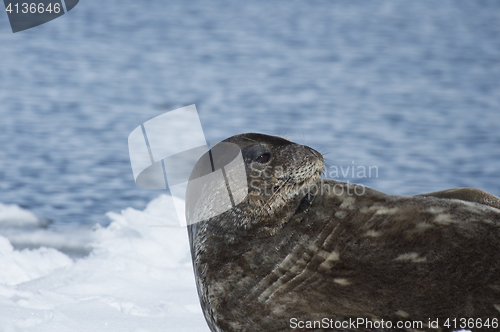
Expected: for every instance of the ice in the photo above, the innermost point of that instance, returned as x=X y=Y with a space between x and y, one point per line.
x=12 y=215
x=138 y=277
x=26 y=265
x=24 y=229
x=73 y=241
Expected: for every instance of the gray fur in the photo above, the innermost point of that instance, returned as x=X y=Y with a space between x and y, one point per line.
x=311 y=252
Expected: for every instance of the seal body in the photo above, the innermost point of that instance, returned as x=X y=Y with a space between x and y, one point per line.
x=301 y=253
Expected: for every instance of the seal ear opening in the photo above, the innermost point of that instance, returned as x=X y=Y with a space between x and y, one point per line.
x=217 y=183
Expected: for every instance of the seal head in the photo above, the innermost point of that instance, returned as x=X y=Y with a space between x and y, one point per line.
x=278 y=175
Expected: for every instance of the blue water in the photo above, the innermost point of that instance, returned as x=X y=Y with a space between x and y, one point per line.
x=411 y=87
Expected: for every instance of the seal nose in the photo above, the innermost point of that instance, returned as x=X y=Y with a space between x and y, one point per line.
x=314 y=152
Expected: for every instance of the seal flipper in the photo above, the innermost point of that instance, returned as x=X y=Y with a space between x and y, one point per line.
x=467 y=194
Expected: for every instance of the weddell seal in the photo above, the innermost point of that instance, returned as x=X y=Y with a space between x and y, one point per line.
x=301 y=253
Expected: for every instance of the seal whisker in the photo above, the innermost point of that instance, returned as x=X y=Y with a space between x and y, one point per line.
x=266 y=203
x=276 y=191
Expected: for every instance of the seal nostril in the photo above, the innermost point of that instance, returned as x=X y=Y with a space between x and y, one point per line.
x=311 y=150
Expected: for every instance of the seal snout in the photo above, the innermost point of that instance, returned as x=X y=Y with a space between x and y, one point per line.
x=317 y=158
x=314 y=152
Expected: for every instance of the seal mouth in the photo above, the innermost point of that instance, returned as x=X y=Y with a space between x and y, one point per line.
x=288 y=184
x=307 y=175
x=304 y=204
x=308 y=197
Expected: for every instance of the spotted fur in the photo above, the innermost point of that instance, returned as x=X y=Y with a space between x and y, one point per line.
x=292 y=254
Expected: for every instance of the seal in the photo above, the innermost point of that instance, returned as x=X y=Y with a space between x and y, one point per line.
x=301 y=253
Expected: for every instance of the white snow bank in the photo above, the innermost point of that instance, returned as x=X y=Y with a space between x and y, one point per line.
x=25 y=265
x=75 y=241
x=12 y=215
x=24 y=229
x=138 y=278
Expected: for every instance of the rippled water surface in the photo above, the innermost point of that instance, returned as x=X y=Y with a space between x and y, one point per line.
x=411 y=87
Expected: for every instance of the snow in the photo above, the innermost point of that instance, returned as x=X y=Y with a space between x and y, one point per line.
x=138 y=277
x=13 y=215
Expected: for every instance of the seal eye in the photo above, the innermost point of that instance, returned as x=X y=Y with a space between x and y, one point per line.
x=263 y=158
